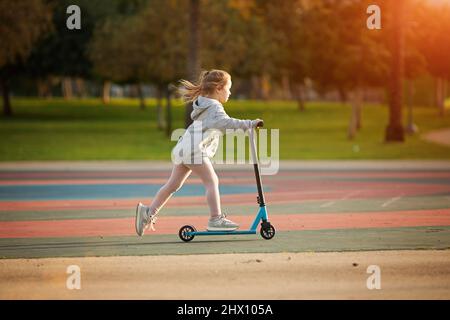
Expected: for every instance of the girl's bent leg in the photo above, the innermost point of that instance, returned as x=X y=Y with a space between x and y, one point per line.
x=179 y=175
x=209 y=178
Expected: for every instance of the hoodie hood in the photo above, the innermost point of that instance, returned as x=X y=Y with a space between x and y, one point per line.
x=200 y=105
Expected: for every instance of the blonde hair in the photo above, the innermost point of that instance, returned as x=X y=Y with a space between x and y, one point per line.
x=207 y=83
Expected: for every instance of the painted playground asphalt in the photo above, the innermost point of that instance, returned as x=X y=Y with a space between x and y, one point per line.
x=86 y=208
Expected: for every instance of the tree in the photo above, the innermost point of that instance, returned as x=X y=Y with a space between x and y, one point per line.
x=394 y=130
x=104 y=47
x=235 y=38
x=363 y=58
x=343 y=54
x=22 y=23
x=415 y=62
x=166 y=50
x=63 y=53
x=433 y=42
x=149 y=47
x=193 y=59
x=117 y=52
x=287 y=23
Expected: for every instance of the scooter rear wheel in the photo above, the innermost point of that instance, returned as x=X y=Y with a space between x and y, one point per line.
x=267 y=232
x=183 y=233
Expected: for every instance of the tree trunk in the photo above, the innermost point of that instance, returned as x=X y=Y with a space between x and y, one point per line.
x=253 y=88
x=394 y=130
x=440 y=95
x=159 y=108
x=67 y=88
x=193 y=63
x=141 y=96
x=286 y=85
x=355 y=100
x=265 y=86
x=43 y=87
x=352 y=125
x=257 y=88
x=7 y=110
x=446 y=83
x=169 y=113
x=80 y=87
x=359 y=105
x=342 y=95
x=301 y=97
x=445 y=91
x=106 y=94
x=411 y=128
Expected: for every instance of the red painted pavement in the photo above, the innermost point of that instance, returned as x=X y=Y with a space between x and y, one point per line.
x=171 y=225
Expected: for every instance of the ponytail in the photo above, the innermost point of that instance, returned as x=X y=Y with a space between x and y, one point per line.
x=207 y=83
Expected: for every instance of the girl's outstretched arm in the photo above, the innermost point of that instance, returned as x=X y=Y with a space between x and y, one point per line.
x=222 y=121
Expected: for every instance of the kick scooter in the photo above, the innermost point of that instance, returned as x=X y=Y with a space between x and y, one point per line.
x=267 y=231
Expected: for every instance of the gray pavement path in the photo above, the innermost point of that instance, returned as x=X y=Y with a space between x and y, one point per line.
x=438 y=136
x=284 y=165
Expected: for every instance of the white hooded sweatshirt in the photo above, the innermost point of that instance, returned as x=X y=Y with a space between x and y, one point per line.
x=201 y=138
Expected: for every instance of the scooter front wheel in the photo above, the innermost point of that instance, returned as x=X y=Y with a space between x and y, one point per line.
x=183 y=233
x=267 y=232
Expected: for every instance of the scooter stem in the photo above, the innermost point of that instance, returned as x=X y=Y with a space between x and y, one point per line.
x=260 y=199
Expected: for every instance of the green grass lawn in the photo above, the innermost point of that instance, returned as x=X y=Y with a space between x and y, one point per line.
x=87 y=130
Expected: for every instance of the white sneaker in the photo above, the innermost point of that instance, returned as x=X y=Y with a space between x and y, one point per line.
x=143 y=220
x=220 y=223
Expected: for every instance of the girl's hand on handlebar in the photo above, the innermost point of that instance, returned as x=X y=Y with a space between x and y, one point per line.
x=257 y=123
